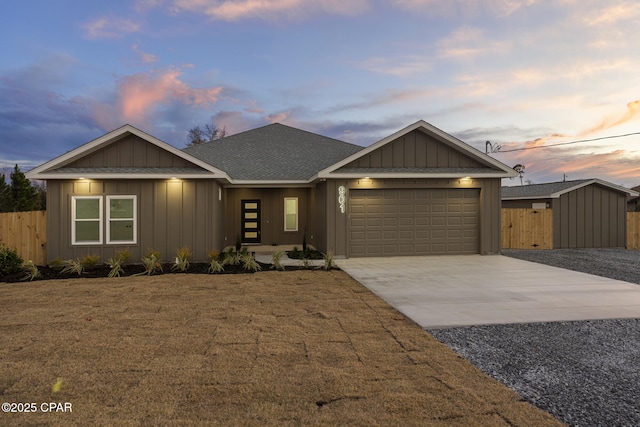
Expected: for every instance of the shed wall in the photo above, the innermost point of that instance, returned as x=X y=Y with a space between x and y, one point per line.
x=590 y=217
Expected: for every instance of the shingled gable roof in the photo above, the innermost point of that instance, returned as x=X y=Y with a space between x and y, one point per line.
x=493 y=169
x=55 y=169
x=554 y=190
x=275 y=153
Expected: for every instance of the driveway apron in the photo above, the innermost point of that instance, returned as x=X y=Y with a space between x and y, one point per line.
x=463 y=290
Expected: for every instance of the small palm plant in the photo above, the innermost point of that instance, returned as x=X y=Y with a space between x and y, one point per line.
x=276 y=258
x=249 y=262
x=72 y=266
x=328 y=260
x=117 y=261
x=31 y=271
x=215 y=266
x=181 y=263
x=151 y=262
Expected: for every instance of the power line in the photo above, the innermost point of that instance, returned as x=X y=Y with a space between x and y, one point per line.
x=568 y=143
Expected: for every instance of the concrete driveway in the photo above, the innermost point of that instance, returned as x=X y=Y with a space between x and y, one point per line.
x=447 y=291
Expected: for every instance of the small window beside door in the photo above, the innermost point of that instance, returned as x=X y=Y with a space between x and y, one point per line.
x=291 y=214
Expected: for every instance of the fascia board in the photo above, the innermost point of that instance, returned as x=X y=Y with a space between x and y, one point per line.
x=473 y=152
x=126 y=176
x=528 y=197
x=269 y=183
x=412 y=175
x=606 y=184
x=89 y=147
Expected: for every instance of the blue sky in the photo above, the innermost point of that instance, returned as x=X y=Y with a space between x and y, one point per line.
x=517 y=73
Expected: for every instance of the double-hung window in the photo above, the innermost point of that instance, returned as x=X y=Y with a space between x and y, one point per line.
x=291 y=214
x=121 y=219
x=91 y=218
x=86 y=213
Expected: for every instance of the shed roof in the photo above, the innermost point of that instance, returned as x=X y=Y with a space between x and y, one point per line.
x=552 y=190
x=275 y=152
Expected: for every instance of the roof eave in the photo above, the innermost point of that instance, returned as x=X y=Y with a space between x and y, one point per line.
x=125 y=176
x=529 y=197
x=456 y=175
x=269 y=183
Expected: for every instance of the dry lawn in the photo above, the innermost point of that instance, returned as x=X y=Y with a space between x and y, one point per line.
x=271 y=348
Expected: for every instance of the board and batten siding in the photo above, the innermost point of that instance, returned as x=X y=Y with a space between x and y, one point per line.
x=170 y=214
x=590 y=217
x=418 y=150
x=131 y=151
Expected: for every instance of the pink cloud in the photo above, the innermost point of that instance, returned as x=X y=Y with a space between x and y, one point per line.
x=633 y=110
x=139 y=96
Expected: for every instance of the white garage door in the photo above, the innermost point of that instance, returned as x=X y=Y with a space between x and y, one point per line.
x=413 y=222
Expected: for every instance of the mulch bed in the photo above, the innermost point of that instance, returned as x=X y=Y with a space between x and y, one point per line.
x=51 y=273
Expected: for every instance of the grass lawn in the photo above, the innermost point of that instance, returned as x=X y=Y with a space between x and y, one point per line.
x=271 y=348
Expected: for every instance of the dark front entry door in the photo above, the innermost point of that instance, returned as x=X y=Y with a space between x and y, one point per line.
x=250 y=221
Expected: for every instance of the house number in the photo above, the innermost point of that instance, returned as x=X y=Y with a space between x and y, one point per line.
x=342 y=198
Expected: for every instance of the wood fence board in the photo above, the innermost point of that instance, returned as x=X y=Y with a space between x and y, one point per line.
x=26 y=232
x=527 y=228
x=633 y=230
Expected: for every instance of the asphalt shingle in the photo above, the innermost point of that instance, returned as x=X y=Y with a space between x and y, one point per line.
x=274 y=152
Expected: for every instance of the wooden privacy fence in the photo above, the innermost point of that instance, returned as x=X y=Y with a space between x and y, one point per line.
x=527 y=229
x=26 y=232
x=633 y=230
x=533 y=229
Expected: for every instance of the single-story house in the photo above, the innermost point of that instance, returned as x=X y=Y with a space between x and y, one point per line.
x=587 y=213
x=418 y=191
x=633 y=202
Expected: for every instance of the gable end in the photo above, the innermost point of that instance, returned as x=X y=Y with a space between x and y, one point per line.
x=415 y=149
x=131 y=151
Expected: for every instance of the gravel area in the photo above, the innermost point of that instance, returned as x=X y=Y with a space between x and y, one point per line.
x=584 y=373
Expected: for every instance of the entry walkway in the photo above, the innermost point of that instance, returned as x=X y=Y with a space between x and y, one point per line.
x=447 y=291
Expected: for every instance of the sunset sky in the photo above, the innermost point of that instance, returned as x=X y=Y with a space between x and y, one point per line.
x=518 y=73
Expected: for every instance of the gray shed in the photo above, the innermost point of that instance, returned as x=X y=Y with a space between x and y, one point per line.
x=587 y=213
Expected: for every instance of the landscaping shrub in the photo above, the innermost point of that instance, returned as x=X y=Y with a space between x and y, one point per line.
x=10 y=261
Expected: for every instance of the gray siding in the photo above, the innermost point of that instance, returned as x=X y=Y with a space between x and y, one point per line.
x=131 y=151
x=590 y=217
x=415 y=149
x=271 y=215
x=171 y=214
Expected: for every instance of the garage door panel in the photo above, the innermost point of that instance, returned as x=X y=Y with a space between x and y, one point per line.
x=413 y=221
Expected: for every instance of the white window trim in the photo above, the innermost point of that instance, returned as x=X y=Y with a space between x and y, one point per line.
x=74 y=220
x=135 y=220
x=285 y=213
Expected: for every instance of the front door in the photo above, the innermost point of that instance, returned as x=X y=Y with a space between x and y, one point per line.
x=250 y=221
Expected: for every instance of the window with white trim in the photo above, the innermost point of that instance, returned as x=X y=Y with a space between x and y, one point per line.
x=86 y=220
x=121 y=219
x=291 y=214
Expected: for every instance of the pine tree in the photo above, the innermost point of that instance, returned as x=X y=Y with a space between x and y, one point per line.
x=22 y=195
x=5 y=202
